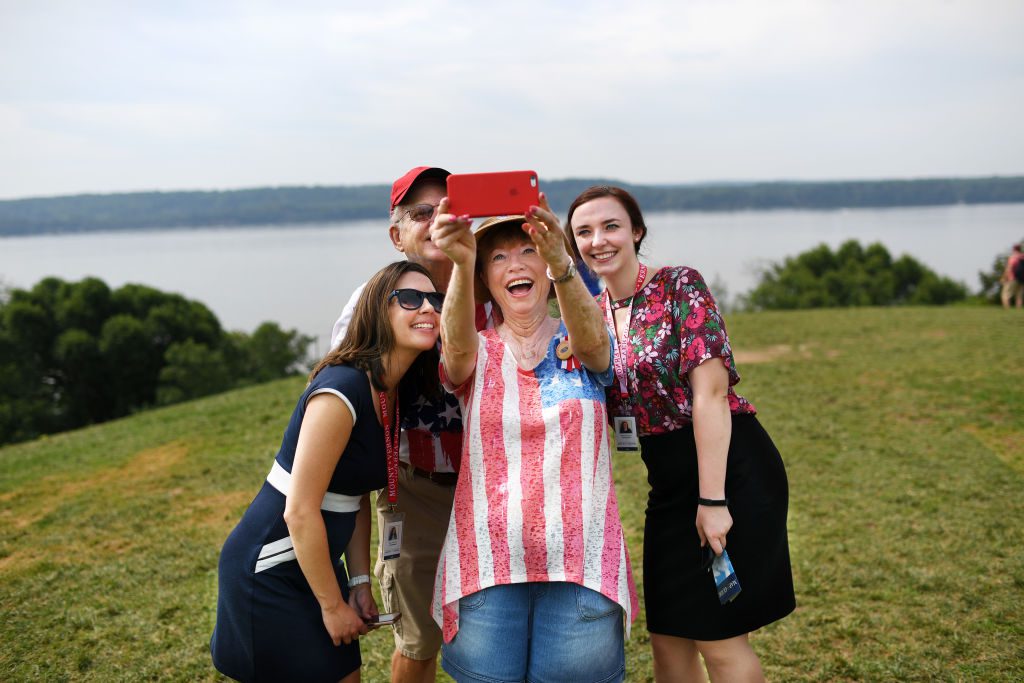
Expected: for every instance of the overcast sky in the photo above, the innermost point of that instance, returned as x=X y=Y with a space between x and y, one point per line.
x=103 y=96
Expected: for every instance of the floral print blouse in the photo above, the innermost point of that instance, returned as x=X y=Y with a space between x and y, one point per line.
x=674 y=327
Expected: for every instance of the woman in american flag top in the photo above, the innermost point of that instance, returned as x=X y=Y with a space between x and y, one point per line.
x=534 y=581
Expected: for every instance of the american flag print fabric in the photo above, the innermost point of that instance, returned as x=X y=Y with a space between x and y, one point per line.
x=535 y=499
x=431 y=438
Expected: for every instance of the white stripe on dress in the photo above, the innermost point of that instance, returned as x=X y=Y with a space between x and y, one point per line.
x=514 y=456
x=553 y=530
x=479 y=480
x=274 y=553
x=595 y=525
x=281 y=479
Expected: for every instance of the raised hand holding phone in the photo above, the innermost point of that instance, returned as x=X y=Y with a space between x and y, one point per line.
x=453 y=234
x=546 y=232
x=492 y=194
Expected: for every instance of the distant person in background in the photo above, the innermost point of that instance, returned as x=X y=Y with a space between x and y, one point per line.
x=287 y=609
x=1013 y=279
x=708 y=458
x=429 y=451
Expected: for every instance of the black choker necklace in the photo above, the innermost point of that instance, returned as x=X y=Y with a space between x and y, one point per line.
x=621 y=303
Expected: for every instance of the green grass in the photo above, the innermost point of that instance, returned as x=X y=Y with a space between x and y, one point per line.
x=902 y=434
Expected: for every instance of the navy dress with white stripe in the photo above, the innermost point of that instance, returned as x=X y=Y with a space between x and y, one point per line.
x=269 y=624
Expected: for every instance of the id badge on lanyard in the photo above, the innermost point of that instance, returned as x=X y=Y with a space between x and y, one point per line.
x=627 y=438
x=391 y=531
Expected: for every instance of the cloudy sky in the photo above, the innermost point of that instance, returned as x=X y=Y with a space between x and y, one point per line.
x=105 y=96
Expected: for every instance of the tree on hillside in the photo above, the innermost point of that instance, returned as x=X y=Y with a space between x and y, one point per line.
x=76 y=353
x=850 y=276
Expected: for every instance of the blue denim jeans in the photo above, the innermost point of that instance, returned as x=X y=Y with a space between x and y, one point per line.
x=537 y=632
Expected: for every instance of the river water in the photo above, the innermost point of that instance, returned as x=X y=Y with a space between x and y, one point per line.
x=301 y=275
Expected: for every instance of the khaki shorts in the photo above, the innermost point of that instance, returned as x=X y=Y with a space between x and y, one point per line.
x=407 y=583
x=1011 y=290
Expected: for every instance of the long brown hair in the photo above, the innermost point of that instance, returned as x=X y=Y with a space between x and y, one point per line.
x=620 y=195
x=369 y=337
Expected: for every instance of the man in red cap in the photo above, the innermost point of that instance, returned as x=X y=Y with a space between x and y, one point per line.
x=430 y=446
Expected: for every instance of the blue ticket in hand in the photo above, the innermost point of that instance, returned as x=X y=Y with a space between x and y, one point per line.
x=725 y=578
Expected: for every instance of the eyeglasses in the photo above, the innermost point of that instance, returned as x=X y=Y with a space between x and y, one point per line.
x=421 y=213
x=412 y=299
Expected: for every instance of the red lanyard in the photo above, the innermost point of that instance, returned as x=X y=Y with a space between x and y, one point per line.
x=620 y=348
x=391 y=447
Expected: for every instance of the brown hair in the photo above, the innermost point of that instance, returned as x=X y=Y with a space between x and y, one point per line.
x=369 y=337
x=623 y=197
x=502 y=234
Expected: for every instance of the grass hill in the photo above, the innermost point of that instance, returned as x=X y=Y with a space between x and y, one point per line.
x=902 y=435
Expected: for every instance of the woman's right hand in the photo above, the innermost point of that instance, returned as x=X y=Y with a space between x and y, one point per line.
x=453 y=235
x=713 y=524
x=343 y=624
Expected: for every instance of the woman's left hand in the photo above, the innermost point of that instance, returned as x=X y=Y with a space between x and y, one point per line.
x=360 y=598
x=546 y=232
x=713 y=523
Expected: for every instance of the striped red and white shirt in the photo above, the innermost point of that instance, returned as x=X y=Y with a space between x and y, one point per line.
x=535 y=499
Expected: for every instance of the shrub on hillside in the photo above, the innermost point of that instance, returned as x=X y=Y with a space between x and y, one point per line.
x=76 y=353
x=850 y=276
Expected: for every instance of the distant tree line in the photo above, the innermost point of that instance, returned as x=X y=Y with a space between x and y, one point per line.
x=267 y=206
x=76 y=353
x=852 y=275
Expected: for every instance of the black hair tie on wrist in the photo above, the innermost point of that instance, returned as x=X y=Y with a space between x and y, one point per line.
x=713 y=503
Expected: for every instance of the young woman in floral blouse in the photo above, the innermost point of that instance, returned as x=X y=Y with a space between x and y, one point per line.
x=708 y=458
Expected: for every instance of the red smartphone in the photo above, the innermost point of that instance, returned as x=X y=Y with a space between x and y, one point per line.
x=492 y=194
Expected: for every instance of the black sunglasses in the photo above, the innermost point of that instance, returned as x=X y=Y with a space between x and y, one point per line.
x=412 y=299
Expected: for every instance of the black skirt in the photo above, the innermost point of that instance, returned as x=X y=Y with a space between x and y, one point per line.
x=680 y=597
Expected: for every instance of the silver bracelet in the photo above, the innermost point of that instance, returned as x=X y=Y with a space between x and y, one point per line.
x=570 y=272
x=358 y=580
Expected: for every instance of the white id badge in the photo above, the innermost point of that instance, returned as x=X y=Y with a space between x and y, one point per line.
x=391 y=535
x=626 y=438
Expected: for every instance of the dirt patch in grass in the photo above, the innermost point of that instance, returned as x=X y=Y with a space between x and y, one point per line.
x=21 y=559
x=1006 y=447
x=770 y=354
x=217 y=511
x=140 y=473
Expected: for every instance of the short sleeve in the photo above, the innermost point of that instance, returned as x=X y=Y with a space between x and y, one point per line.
x=347 y=383
x=461 y=391
x=341 y=324
x=334 y=392
x=702 y=329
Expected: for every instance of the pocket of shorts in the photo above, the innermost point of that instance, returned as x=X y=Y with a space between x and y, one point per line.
x=473 y=600
x=593 y=605
x=387 y=585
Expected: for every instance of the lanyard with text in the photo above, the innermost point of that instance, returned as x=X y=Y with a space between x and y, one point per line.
x=391 y=446
x=626 y=436
x=620 y=348
x=391 y=542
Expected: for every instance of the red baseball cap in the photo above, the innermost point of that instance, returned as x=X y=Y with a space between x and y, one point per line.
x=401 y=186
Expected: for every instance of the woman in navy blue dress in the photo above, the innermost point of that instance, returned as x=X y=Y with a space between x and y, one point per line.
x=287 y=608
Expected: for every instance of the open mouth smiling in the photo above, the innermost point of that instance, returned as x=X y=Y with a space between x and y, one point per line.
x=520 y=286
